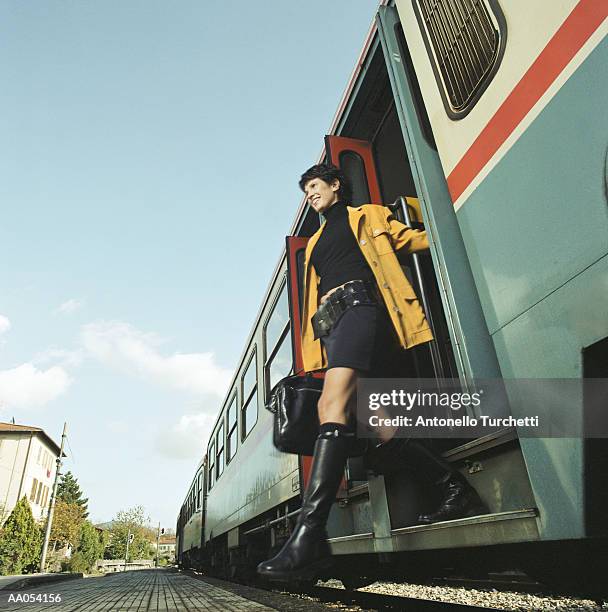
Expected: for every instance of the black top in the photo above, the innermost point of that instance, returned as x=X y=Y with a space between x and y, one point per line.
x=337 y=257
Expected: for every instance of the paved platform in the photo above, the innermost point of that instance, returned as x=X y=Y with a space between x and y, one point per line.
x=33 y=580
x=155 y=590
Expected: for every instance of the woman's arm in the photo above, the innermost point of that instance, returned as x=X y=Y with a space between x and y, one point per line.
x=404 y=237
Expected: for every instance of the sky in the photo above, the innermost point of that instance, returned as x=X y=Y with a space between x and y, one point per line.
x=148 y=177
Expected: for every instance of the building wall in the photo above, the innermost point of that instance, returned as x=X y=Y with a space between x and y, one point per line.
x=25 y=458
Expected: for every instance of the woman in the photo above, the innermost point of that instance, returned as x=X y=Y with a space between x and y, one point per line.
x=357 y=302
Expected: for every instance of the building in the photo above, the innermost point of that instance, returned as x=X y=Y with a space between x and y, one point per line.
x=27 y=467
x=166 y=546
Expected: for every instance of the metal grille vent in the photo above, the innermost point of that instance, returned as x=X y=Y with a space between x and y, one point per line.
x=465 y=44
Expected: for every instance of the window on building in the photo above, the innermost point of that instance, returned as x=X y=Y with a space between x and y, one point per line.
x=219 y=445
x=34 y=489
x=39 y=493
x=211 y=469
x=232 y=428
x=464 y=39
x=277 y=343
x=45 y=496
x=249 y=412
x=39 y=458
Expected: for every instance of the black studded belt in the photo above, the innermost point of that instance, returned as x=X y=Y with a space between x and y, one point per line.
x=352 y=293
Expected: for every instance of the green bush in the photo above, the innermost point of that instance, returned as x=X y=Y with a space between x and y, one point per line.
x=20 y=541
x=90 y=548
x=79 y=563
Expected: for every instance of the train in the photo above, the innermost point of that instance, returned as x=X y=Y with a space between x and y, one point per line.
x=481 y=121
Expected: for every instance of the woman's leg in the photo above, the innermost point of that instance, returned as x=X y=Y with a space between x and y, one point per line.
x=338 y=392
x=307 y=552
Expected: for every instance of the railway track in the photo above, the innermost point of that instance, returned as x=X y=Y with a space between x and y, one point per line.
x=363 y=600
x=379 y=601
x=497 y=592
x=519 y=583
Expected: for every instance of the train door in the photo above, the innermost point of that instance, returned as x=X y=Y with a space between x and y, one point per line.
x=296 y=245
x=434 y=359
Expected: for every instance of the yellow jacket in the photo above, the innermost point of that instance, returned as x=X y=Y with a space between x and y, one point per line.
x=379 y=235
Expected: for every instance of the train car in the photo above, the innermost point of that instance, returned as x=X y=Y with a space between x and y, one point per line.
x=480 y=120
x=189 y=528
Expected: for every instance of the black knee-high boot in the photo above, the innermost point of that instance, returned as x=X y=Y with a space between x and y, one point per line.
x=459 y=498
x=307 y=552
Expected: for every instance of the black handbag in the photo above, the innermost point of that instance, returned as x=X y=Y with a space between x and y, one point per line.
x=293 y=401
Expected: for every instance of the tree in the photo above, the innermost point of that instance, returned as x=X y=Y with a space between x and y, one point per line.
x=69 y=491
x=67 y=521
x=128 y=521
x=20 y=541
x=90 y=548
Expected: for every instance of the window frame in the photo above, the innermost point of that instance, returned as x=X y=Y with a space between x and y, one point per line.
x=268 y=364
x=220 y=434
x=247 y=400
x=269 y=355
x=498 y=20
x=199 y=490
x=211 y=466
x=234 y=399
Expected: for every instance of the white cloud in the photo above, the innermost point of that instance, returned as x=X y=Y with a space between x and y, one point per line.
x=126 y=348
x=5 y=324
x=62 y=357
x=27 y=386
x=187 y=438
x=70 y=306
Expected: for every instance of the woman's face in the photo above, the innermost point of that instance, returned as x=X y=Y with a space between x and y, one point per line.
x=321 y=195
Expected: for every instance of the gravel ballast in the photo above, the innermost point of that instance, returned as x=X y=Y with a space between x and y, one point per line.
x=505 y=600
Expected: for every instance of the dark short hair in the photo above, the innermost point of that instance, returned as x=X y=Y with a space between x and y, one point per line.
x=328 y=173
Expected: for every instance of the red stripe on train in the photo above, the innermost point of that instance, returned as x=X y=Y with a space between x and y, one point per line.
x=578 y=27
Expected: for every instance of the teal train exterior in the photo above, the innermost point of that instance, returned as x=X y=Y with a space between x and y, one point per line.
x=487 y=120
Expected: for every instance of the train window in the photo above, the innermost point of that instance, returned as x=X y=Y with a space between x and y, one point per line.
x=249 y=412
x=199 y=488
x=278 y=319
x=250 y=377
x=211 y=471
x=353 y=166
x=280 y=362
x=277 y=351
x=465 y=41
x=232 y=428
x=219 y=445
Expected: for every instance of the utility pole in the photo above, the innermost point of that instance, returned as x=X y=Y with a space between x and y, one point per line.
x=130 y=537
x=157 y=542
x=49 y=518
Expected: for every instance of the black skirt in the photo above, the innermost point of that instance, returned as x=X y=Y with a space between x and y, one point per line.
x=362 y=339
